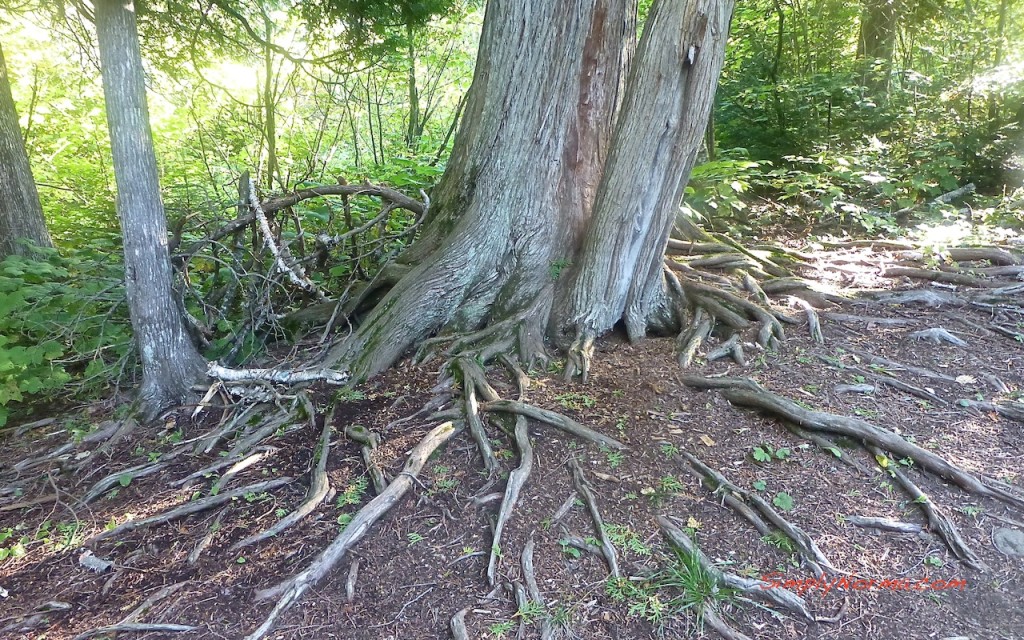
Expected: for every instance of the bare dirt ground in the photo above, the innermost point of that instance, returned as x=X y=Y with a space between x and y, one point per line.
x=427 y=559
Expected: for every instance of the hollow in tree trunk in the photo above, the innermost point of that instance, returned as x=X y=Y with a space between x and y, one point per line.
x=170 y=362
x=553 y=215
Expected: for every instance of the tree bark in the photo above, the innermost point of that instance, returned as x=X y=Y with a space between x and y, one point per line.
x=170 y=362
x=21 y=215
x=551 y=219
x=877 y=42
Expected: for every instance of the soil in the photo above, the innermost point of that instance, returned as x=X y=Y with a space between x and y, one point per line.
x=427 y=558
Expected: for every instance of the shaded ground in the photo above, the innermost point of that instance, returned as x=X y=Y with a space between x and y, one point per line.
x=427 y=559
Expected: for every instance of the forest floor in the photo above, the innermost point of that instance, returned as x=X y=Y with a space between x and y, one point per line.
x=427 y=558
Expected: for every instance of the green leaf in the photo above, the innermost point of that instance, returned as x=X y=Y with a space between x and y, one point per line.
x=783 y=501
x=761 y=455
x=760 y=485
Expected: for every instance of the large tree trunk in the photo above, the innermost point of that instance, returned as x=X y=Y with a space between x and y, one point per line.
x=170 y=362
x=877 y=42
x=527 y=219
x=21 y=216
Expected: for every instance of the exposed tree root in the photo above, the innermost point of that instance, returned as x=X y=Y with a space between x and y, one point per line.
x=883 y=524
x=547 y=631
x=752 y=588
x=938 y=521
x=458 y=625
x=693 y=336
x=745 y=392
x=187 y=509
x=731 y=348
x=556 y=420
x=135 y=627
x=888 y=381
x=585 y=492
x=937 y=335
x=805 y=545
x=1008 y=409
x=892 y=364
x=318 y=489
x=369 y=441
x=515 y=483
x=205 y=542
x=291 y=590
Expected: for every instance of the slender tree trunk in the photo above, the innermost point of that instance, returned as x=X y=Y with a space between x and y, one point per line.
x=668 y=100
x=170 y=362
x=269 y=111
x=412 y=135
x=21 y=216
x=552 y=217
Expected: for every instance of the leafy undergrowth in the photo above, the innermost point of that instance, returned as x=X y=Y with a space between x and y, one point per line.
x=428 y=558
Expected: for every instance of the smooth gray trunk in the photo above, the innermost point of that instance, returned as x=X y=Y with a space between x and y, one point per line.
x=170 y=362
x=21 y=216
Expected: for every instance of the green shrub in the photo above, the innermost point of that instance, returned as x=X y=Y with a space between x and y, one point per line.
x=62 y=321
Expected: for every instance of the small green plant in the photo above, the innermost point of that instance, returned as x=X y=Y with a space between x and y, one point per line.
x=760 y=485
x=971 y=510
x=349 y=394
x=669 y=450
x=414 y=538
x=352 y=494
x=557 y=267
x=614 y=458
x=576 y=401
x=625 y=538
x=934 y=561
x=765 y=453
x=499 y=629
x=570 y=550
x=779 y=540
x=783 y=501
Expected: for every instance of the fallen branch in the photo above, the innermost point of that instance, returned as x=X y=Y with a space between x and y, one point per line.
x=292 y=589
x=276 y=376
x=883 y=524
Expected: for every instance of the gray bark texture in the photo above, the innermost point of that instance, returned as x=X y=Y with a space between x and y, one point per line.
x=21 y=216
x=552 y=217
x=170 y=362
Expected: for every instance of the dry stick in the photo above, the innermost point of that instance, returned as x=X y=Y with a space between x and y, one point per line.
x=883 y=524
x=236 y=468
x=458 y=625
x=805 y=545
x=583 y=488
x=938 y=521
x=530 y=577
x=135 y=628
x=556 y=420
x=746 y=392
x=260 y=454
x=319 y=487
x=754 y=588
x=516 y=480
x=289 y=591
x=370 y=442
x=187 y=509
x=694 y=335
